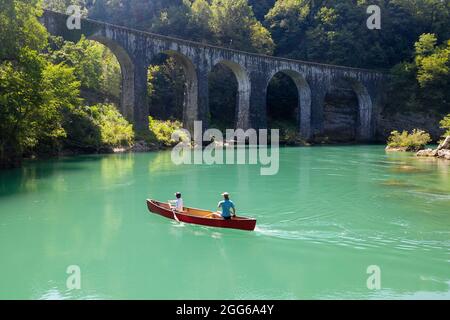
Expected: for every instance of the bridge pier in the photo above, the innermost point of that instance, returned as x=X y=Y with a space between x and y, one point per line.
x=202 y=102
x=141 y=112
x=317 y=107
x=258 y=102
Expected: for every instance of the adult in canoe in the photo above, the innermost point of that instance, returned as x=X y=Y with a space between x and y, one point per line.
x=177 y=204
x=228 y=208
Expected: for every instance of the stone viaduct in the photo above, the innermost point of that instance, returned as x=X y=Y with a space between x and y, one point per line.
x=135 y=51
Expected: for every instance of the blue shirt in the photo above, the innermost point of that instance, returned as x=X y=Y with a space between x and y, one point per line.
x=226 y=205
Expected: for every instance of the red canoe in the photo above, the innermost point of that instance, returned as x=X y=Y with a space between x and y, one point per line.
x=201 y=217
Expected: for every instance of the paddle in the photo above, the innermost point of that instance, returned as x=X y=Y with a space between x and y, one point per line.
x=175 y=216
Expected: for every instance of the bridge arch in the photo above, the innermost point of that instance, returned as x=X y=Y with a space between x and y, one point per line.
x=127 y=95
x=190 y=99
x=242 y=114
x=303 y=114
x=347 y=110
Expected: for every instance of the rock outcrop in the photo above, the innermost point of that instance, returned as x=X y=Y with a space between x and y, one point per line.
x=443 y=151
x=397 y=149
x=143 y=146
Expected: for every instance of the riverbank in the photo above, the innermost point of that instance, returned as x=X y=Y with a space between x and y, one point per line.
x=153 y=145
x=442 y=151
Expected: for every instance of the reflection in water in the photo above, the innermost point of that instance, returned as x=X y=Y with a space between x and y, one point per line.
x=160 y=161
x=114 y=168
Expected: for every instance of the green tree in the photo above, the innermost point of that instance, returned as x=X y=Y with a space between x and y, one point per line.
x=95 y=66
x=261 y=8
x=234 y=25
x=32 y=91
x=424 y=83
x=433 y=62
x=445 y=124
x=62 y=5
x=115 y=130
x=20 y=28
x=84 y=57
x=334 y=31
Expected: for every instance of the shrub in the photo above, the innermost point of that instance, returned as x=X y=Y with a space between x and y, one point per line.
x=445 y=124
x=414 y=141
x=115 y=130
x=97 y=127
x=161 y=131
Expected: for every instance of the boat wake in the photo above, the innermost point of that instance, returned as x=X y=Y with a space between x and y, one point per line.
x=357 y=240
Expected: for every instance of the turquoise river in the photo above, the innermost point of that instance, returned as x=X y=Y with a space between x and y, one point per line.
x=328 y=216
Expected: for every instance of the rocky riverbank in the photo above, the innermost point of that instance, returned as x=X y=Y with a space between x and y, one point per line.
x=443 y=151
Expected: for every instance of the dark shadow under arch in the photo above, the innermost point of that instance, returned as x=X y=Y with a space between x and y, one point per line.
x=190 y=111
x=301 y=110
x=222 y=98
x=242 y=109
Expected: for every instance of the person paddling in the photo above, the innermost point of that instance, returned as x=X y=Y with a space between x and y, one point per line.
x=177 y=204
x=228 y=209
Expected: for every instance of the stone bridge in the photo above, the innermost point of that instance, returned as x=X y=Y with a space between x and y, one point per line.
x=135 y=51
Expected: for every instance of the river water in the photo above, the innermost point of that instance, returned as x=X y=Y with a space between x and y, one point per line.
x=323 y=220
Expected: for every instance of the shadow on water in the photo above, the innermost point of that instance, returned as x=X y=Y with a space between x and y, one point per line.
x=25 y=179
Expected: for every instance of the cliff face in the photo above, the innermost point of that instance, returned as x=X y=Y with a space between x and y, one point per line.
x=429 y=123
x=341 y=115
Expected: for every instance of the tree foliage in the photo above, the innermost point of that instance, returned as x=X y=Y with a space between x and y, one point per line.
x=161 y=131
x=423 y=84
x=334 y=31
x=32 y=90
x=94 y=64
x=20 y=28
x=414 y=141
x=40 y=90
x=445 y=124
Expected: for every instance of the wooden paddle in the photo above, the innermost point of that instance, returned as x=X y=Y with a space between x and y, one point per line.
x=175 y=216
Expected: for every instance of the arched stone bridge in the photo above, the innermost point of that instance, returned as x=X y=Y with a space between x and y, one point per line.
x=135 y=51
